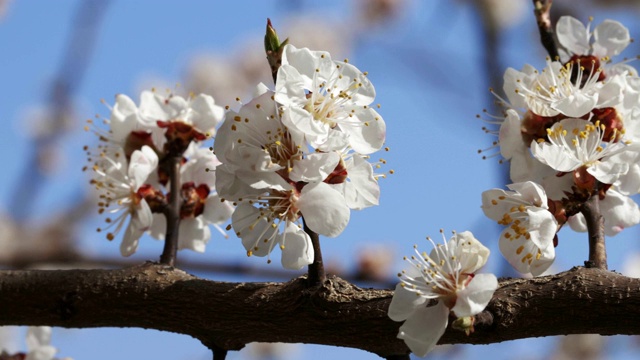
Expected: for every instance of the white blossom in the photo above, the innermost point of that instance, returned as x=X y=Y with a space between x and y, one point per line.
x=328 y=103
x=447 y=275
x=527 y=240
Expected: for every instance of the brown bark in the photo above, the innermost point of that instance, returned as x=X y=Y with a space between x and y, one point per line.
x=230 y=315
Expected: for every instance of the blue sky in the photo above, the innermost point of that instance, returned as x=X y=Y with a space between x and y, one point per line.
x=428 y=74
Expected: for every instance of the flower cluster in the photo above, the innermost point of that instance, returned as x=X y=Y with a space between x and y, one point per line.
x=570 y=133
x=38 y=346
x=446 y=275
x=300 y=152
x=131 y=168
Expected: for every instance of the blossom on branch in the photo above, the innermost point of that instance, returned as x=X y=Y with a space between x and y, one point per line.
x=527 y=240
x=328 y=103
x=446 y=276
x=276 y=181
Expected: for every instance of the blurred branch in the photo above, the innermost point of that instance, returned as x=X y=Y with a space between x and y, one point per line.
x=542 y=11
x=230 y=315
x=78 y=52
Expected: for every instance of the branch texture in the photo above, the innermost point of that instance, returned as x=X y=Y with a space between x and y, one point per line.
x=230 y=315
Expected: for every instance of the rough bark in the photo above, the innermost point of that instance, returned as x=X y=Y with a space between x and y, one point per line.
x=230 y=315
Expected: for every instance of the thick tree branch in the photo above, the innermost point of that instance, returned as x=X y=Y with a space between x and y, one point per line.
x=230 y=315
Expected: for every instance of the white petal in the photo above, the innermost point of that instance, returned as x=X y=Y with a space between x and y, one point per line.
x=368 y=134
x=619 y=212
x=324 y=209
x=298 y=249
x=217 y=211
x=475 y=297
x=554 y=156
x=38 y=336
x=573 y=35
x=314 y=167
x=611 y=37
x=290 y=87
x=608 y=172
x=123 y=118
x=577 y=104
x=531 y=192
x=205 y=114
x=194 y=234
x=404 y=303
x=142 y=163
x=252 y=227
x=362 y=190
x=542 y=226
x=510 y=136
x=424 y=328
x=522 y=254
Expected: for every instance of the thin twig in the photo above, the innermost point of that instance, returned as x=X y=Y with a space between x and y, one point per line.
x=317 y=275
x=172 y=213
x=595 y=226
x=542 y=10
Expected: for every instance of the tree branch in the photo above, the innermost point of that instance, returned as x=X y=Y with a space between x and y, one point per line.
x=542 y=11
x=230 y=315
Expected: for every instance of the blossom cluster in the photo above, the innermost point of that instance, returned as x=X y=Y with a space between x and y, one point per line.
x=569 y=132
x=300 y=153
x=130 y=168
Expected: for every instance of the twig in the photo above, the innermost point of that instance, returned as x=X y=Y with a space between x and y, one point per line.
x=542 y=10
x=172 y=213
x=317 y=275
x=595 y=227
x=398 y=357
x=219 y=353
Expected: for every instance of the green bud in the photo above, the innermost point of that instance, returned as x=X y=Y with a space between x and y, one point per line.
x=464 y=324
x=271 y=41
x=273 y=47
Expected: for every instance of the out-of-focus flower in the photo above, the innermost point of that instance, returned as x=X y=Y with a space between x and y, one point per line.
x=447 y=275
x=38 y=346
x=527 y=240
x=610 y=38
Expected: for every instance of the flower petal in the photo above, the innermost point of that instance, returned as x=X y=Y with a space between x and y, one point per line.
x=404 y=303
x=324 y=209
x=424 y=327
x=475 y=297
x=573 y=35
x=297 y=249
x=611 y=37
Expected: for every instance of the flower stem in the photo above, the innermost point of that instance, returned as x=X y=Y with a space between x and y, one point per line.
x=316 y=269
x=595 y=227
x=542 y=10
x=219 y=354
x=172 y=213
